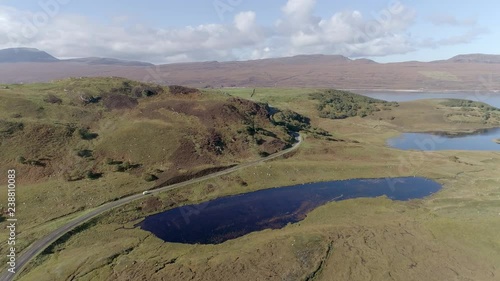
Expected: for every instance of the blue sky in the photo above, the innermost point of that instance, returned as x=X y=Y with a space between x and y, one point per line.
x=178 y=31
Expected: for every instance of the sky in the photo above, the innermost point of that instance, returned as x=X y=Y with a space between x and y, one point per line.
x=225 y=30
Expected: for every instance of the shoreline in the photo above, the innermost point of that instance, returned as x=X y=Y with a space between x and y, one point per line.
x=424 y=91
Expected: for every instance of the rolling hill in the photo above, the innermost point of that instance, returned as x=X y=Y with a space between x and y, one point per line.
x=98 y=123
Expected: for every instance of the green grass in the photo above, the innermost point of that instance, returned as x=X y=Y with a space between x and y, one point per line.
x=461 y=212
x=454 y=230
x=139 y=142
x=295 y=99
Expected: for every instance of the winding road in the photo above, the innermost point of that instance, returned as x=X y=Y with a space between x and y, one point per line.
x=37 y=247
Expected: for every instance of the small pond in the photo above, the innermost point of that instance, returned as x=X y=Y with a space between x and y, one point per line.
x=230 y=217
x=482 y=140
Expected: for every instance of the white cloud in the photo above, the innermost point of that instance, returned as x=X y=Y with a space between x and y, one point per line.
x=298 y=31
x=444 y=19
x=463 y=38
x=262 y=53
x=299 y=11
x=245 y=21
x=71 y=36
x=349 y=32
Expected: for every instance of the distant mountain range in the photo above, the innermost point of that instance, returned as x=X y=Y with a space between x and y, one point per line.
x=25 y=55
x=15 y=55
x=471 y=72
x=109 y=61
x=476 y=58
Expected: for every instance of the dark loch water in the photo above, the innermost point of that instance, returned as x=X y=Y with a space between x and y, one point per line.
x=492 y=99
x=230 y=217
x=482 y=140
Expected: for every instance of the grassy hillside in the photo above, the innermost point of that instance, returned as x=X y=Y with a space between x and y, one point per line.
x=88 y=125
x=450 y=235
x=77 y=143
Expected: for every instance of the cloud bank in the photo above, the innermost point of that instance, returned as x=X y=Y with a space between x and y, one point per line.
x=296 y=31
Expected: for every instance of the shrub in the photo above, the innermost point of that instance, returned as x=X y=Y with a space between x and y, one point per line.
x=144 y=90
x=137 y=91
x=52 y=99
x=110 y=161
x=467 y=104
x=88 y=98
x=126 y=166
x=9 y=128
x=93 y=175
x=291 y=120
x=318 y=132
x=31 y=162
x=84 y=153
x=86 y=135
x=35 y=163
x=75 y=175
x=251 y=130
x=21 y=160
x=336 y=104
x=263 y=154
x=181 y=90
x=150 y=177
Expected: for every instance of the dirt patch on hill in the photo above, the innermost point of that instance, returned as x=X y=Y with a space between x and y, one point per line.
x=173 y=178
x=211 y=111
x=251 y=108
x=118 y=101
x=181 y=90
x=35 y=149
x=188 y=155
x=151 y=204
x=273 y=146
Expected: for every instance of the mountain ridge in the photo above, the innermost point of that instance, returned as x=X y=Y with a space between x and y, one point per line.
x=33 y=55
x=22 y=54
x=13 y=55
x=476 y=72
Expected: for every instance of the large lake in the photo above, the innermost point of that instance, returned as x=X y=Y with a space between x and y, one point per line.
x=230 y=217
x=492 y=99
x=482 y=140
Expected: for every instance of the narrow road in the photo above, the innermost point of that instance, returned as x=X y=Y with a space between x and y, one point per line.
x=34 y=249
